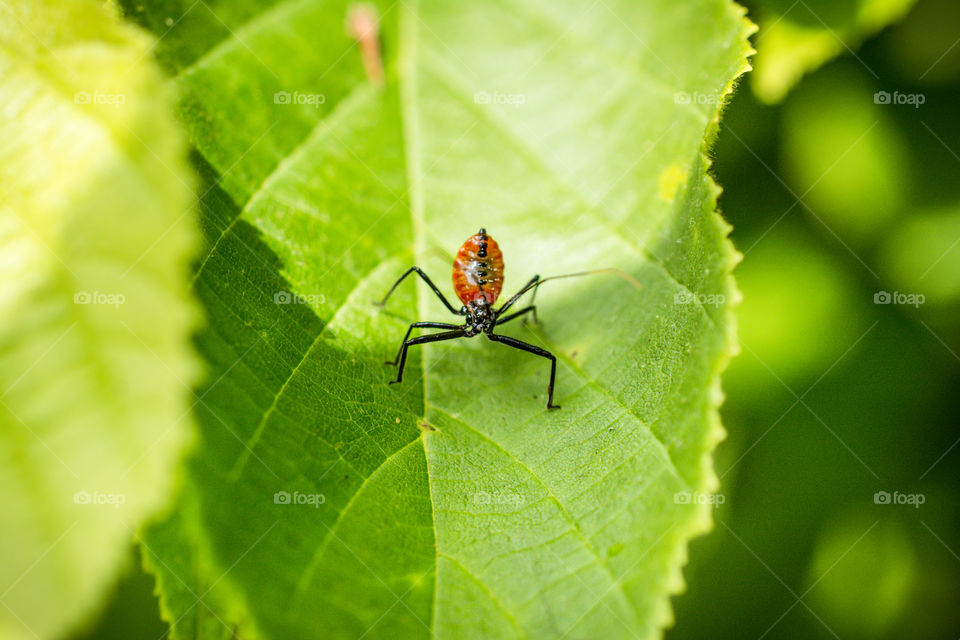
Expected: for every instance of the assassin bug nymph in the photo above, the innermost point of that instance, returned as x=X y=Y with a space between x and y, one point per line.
x=478 y=281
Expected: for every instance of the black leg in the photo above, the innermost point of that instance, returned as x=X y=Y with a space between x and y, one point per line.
x=517 y=314
x=533 y=297
x=421 y=325
x=530 y=307
x=523 y=346
x=436 y=337
x=534 y=280
x=429 y=282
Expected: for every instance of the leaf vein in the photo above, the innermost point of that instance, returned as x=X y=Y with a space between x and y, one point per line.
x=575 y=525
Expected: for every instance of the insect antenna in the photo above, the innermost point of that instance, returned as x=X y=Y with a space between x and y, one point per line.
x=536 y=283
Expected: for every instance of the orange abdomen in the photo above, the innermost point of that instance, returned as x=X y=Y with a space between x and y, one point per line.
x=478 y=269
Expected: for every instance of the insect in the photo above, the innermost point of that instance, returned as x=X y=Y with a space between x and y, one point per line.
x=478 y=281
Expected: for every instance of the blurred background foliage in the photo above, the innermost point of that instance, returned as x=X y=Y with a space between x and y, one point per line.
x=834 y=196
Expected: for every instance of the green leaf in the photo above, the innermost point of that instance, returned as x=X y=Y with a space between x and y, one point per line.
x=187 y=585
x=96 y=232
x=798 y=37
x=454 y=503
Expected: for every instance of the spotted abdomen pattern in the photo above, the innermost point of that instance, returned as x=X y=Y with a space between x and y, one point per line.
x=478 y=269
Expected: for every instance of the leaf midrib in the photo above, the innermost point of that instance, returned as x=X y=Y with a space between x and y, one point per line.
x=413 y=155
x=410 y=126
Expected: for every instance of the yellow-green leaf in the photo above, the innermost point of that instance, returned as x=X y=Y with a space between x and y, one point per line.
x=96 y=232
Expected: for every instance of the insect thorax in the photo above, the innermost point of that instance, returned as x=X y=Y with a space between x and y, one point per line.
x=481 y=317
